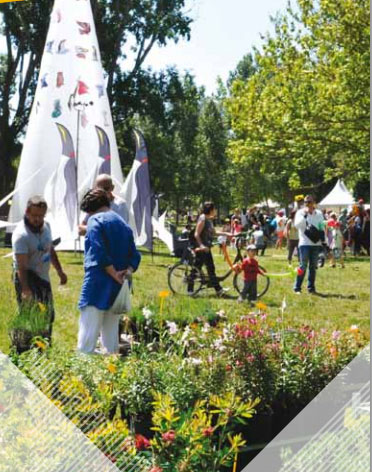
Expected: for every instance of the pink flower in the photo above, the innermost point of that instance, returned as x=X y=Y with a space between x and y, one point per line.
x=141 y=442
x=252 y=321
x=250 y=358
x=263 y=316
x=169 y=436
x=247 y=333
x=238 y=363
x=336 y=334
x=156 y=469
x=228 y=367
x=311 y=335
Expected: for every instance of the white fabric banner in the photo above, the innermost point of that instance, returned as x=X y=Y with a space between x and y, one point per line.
x=71 y=79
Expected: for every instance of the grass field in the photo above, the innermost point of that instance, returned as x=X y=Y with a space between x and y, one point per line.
x=343 y=298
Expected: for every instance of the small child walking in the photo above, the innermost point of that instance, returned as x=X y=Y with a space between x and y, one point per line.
x=250 y=267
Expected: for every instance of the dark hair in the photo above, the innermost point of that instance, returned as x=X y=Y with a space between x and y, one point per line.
x=94 y=199
x=207 y=208
x=37 y=201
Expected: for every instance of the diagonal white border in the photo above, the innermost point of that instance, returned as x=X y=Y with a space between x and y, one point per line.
x=318 y=437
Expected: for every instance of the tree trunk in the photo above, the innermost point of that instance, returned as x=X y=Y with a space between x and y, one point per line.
x=8 y=151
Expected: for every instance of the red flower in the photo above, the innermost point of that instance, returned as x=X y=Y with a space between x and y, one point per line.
x=169 y=436
x=141 y=442
x=239 y=363
x=156 y=469
x=208 y=431
x=228 y=367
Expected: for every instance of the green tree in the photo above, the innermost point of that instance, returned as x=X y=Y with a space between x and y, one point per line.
x=303 y=118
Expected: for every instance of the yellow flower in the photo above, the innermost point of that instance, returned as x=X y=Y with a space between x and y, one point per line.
x=41 y=345
x=261 y=306
x=42 y=307
x=112 y=368
x=164 y=294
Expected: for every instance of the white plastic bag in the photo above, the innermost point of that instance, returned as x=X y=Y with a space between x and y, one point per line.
x=122 y=303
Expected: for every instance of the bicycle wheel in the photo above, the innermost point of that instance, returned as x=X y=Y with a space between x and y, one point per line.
x=185 y=279
x=263 y=283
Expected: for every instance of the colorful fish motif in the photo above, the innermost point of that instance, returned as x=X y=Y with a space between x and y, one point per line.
x=101 y=90
x=49 y=47
x=82 y=87
x=62 y=47
x=60 y=79
x=81 y=52
x=57 y=109
x=43 y=81
x=84 y=28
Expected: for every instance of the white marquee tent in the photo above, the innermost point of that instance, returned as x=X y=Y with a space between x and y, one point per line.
x=338 y=197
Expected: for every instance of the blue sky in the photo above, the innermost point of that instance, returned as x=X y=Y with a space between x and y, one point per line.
x=222 y=32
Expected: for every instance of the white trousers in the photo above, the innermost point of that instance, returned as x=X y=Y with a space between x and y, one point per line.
x=94 y=322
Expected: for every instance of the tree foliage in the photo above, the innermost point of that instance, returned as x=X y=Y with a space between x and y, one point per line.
x=302 y=119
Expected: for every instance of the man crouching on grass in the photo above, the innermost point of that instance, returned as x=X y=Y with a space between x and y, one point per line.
x=33 y=252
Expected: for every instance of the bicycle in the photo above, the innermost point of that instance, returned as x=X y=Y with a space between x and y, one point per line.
x=184 y=278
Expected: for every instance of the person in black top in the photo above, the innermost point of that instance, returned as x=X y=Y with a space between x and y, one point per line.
x=204 y=234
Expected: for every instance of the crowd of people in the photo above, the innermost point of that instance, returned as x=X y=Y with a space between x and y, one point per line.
x=110 y=255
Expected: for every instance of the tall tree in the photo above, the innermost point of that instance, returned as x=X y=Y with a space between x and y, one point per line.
x=303 y=117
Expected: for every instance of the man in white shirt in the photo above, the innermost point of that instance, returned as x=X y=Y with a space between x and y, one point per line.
x=117 y=204
x=307 y=219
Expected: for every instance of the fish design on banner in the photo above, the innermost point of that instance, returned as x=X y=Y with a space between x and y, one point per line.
x=81 y=52
x=60 y=190
x=49 y=47
x=62 y=49
x=44 y=82
x=60 y=79
x=82 y=87
x=104 y=152
x=84 y=28
x=101 y=90
x=57 y=109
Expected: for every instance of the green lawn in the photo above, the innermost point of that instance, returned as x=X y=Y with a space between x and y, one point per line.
x=344 y=299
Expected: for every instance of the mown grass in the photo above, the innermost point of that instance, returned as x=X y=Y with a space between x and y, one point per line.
x=343 y=301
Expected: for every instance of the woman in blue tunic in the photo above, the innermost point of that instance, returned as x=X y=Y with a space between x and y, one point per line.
x=110 y=256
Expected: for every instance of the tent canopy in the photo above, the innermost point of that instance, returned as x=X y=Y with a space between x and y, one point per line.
x=339 y=196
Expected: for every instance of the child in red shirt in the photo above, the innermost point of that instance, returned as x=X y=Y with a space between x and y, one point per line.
x=251 y=269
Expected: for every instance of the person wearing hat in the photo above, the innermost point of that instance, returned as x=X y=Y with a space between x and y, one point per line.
x=251 y=269
x=310 y=222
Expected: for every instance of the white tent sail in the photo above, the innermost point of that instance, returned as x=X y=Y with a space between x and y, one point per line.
x=338 y=197
x=71 y=78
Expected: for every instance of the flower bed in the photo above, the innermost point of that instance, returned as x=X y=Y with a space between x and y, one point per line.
x=183 y=394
